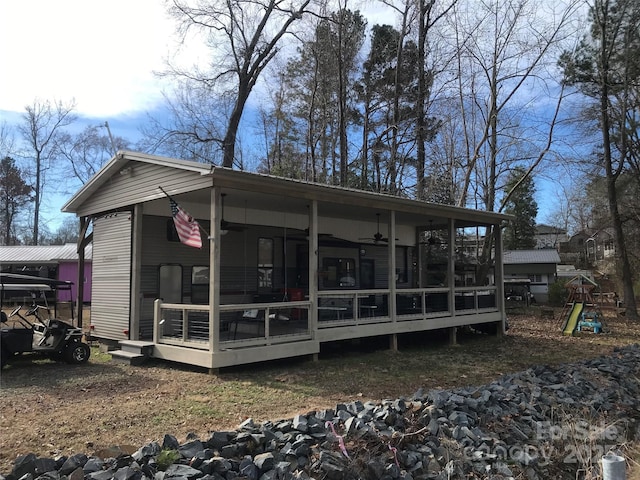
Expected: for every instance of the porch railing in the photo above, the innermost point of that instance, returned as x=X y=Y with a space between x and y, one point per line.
x=181 y=324
x=256 y=324
x=475 y=299
x=339 y=307
x=241 y=325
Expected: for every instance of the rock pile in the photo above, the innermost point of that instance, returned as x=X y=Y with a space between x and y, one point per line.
x=545 y=422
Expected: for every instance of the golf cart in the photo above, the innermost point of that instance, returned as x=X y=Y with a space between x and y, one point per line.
x=39 y=334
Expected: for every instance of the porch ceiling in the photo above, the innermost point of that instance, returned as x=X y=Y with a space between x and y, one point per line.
x=339 y=208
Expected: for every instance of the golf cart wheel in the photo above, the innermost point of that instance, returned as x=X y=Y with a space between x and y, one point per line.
x=77 y=353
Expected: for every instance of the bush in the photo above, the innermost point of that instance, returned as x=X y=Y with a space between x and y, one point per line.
x=167 y=458
x=558 y=293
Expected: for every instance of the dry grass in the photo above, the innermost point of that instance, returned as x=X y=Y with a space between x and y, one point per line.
x=50 y=408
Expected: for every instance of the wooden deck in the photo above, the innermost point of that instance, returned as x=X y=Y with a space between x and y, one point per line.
x=249 y=333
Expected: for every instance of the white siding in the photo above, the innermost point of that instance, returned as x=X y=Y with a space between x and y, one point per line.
x=111 y=289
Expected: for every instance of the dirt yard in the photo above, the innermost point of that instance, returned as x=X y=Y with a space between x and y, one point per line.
x=53 y=408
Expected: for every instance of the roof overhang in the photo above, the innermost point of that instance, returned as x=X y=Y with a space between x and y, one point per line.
x=276 y=193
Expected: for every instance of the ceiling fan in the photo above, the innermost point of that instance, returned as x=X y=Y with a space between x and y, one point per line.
x=377 y=237
x=227 y=226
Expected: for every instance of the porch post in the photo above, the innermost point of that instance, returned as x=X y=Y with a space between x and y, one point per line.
x=214 y=270
x=420 y=259
x=313 y=269
x=499 y=277
x=83 y=241
x=451 y=274
x=136 y=266
x=391 y=234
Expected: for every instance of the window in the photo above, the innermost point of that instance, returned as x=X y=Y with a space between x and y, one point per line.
x=338 y=272
x=200 y=284
x=172 y=233
x=535 y=278
x=265 y=263
x=200 y=275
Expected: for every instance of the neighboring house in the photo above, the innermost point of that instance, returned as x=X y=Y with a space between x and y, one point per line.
x=549 y=237
x=600 y=246
x=56 y=262
x=285 y=265
x=588 y=249
x=539 y=266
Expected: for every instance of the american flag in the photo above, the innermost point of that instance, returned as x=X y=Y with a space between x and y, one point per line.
x=186 y=226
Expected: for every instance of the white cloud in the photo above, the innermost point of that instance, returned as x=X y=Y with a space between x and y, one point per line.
x=102 y=54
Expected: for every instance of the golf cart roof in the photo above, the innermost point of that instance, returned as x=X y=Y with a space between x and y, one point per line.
x=15 y=281
x=21 y=287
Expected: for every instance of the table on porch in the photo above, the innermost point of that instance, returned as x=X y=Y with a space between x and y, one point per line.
x=339 y=311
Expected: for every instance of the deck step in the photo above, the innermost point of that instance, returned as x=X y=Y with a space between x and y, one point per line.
x=133 y=352
x=120 y=356
x=137 y=346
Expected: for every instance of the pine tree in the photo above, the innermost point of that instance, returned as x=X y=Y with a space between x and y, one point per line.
x=15 y=193
x=520 y=233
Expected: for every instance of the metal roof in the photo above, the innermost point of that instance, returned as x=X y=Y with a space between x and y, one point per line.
x=282 y=189
x=42 y=254
x=545 y=255
x=542 y=229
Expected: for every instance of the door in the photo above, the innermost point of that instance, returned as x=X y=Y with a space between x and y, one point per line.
x=367 y=274
x=111 y=276
x=170 y=284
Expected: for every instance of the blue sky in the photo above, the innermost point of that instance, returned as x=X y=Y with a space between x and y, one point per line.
x=102 y=55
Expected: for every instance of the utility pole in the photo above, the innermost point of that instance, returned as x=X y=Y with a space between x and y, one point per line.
x=113 y=145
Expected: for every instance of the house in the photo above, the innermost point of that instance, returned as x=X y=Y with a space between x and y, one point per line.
x=589 y=249
x=539 y=266
x=54 y=262
x=600 y=246
x=285 y=265
x=547 y=236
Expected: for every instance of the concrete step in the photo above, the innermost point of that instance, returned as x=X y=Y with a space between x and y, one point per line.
x=133 y=352
x=130 y=358
x=137 y=346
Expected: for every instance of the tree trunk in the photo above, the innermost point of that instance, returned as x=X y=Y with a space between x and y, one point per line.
x=420 y=107
x=622 y=257
x=229 y=142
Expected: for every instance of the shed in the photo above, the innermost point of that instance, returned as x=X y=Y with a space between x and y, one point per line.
x=539 y=266
x=53 y=262
x=285 y=265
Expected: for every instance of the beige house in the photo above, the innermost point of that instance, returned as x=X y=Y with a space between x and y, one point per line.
x=285 y=265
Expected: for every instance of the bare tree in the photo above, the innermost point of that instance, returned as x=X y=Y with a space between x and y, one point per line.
x=244 y=36
x=505 y=53
x=428 y=16
x=7 y=140
x=43 y=123
x=87 y=151
x=605 y=68
x=505 y=50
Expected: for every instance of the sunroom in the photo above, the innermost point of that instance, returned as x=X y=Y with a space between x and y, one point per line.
x=285 y=265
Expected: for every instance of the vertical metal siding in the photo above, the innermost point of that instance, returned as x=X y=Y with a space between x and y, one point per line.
x=111 y=288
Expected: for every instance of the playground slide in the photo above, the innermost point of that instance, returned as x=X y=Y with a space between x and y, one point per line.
x=572 y=320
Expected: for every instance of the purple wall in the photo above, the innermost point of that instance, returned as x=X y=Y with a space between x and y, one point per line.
x=69 y=271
